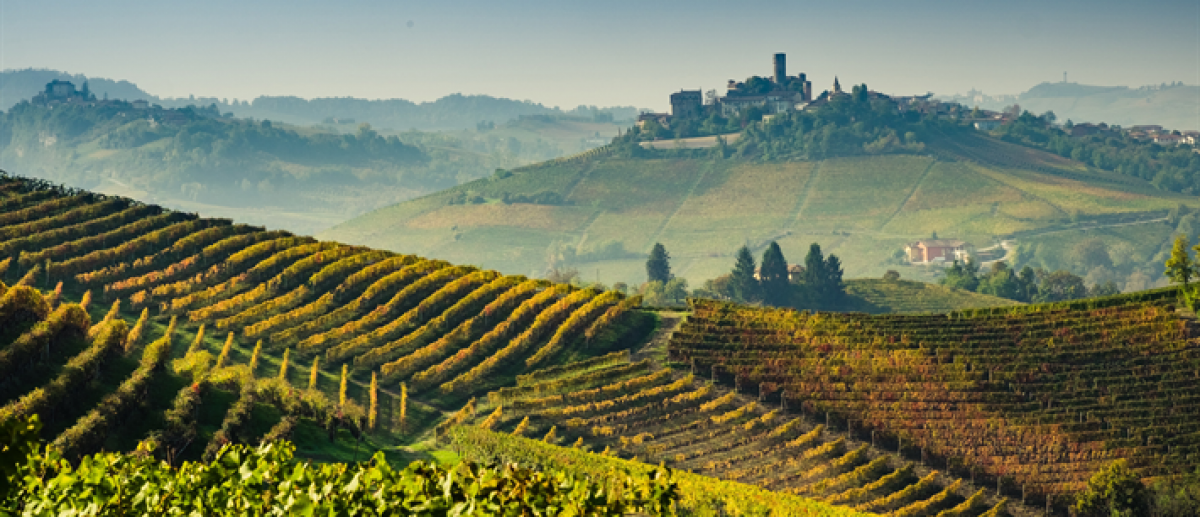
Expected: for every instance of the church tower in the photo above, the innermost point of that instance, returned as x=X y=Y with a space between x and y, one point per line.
x=837 y=87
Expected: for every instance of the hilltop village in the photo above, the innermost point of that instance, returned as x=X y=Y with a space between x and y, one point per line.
x=762 y=98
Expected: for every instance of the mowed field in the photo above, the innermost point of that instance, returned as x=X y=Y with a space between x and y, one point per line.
x=863 y=209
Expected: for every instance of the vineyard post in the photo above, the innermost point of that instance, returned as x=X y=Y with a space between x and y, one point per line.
x=783 y=399
x=714 y=374
x=872 y=438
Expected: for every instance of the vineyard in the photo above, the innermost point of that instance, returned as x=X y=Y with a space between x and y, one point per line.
x=128 y=327
x=127 y=322
x=769 y=460
x=1030 y=400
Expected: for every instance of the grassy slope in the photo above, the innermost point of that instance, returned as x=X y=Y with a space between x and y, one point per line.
x=862 y=209
x=910 y=296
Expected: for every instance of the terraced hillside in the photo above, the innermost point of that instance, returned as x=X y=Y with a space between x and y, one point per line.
x=602 y=214
x=632 y=409
x=1031 y=399
x=211 y=332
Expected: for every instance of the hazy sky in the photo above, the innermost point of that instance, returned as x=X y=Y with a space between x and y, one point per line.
x=616 y=52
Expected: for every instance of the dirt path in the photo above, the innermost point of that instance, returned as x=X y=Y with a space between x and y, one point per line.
x=655 y=348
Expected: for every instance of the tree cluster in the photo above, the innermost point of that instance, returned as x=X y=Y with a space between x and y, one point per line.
x=1171 y=168
x=819 y=286
x=1028 y=285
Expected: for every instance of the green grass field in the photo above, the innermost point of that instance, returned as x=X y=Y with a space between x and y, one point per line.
x=863 y=209
x=912 y=297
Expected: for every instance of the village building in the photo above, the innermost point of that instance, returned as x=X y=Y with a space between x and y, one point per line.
x=795 y=273
x=936 y=250
x=1088 y=129
x=59 y=92
x=1169 y=139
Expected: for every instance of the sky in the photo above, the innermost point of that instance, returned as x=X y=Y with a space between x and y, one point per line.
x=620 y=52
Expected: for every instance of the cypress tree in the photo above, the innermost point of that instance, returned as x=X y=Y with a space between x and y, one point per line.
x=658 y=266
x=814 y=272
x=773 y=277
x=745 y=286
x=834 y=288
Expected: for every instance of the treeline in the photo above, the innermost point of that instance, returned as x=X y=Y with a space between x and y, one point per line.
x=1171 y=168
x=817 y=285
x=1028 y=285
x=200 y=137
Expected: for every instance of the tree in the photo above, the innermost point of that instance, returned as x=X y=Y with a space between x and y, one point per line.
x=1029 y=284
x=745 y=286
x=1108 y=288
x=1001 y=282
x=961 y=276
x=676 y=291
x=832 y=289
x=1179 y=267
x=814 y=266
x=1092 y=253
x=773 y=277
x=1114 y=491
x=1061 y=286
x=658 y=265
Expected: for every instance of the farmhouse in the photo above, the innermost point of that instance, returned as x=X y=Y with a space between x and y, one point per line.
x=936 y=250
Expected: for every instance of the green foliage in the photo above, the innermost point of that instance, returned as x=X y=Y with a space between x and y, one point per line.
x=1114 y=491
x=823 y=285
x=1171 y=168
x=745 y=286
x=1179 y=267
x=773 y=277
x=267 y=480
x=658 y=265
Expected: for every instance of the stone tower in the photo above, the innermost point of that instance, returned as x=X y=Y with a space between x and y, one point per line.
x=780 y=69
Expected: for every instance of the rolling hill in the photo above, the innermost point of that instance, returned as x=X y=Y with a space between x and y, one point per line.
x=964 y=413
x=125 y=323
x=907 y=296
x=606 y=211
x=196 y=332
